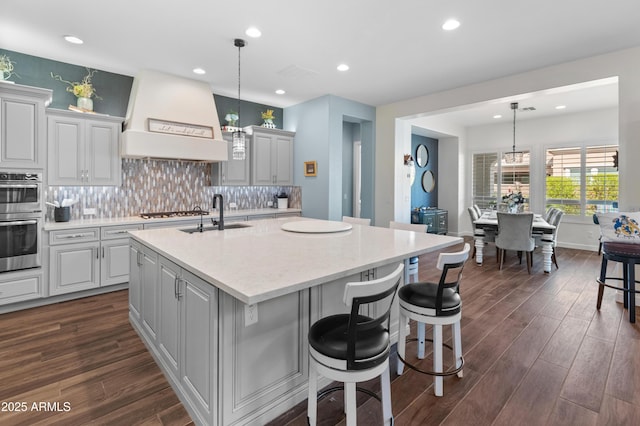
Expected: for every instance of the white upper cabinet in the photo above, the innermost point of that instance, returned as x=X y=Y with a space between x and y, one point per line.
x=271 y=156
x=22 y=126
x=231 y=172
x=83 y=149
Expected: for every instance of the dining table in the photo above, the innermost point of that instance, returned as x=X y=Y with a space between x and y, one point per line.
x=488 y=224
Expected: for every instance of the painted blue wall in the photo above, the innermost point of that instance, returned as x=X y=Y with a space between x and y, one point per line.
x=420 y=198
x=319 y=136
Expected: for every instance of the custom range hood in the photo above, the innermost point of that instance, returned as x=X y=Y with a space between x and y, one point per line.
x=172 y=118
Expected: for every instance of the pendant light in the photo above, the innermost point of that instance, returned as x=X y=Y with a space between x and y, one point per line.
x=513 y=156
x=238 y=144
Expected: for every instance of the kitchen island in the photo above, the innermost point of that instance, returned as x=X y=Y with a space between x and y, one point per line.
x=226 y=313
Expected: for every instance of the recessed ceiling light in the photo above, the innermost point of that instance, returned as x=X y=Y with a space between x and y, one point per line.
x=450 y=24
x=253 y=32
x=199 y=71
x=73 y=39
x=497 y=116
x=280 y=92
x=343 y=67
x=561 y=107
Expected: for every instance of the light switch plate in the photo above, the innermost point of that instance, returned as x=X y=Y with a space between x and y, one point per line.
x=250 y=314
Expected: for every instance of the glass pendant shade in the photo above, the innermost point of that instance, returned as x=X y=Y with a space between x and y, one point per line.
x=238 y=145
x=513 y=157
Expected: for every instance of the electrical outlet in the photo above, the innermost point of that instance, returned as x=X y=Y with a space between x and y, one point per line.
x=233 y=205
x=250 y=314
x=269 y=203
x=89 y=212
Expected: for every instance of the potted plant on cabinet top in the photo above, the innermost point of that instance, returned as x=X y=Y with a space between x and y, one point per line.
x=83 y=90
x=6 y=68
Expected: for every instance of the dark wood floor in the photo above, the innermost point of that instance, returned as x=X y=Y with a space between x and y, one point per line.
x=536 y=352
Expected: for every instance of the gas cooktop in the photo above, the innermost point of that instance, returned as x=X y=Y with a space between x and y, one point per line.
x=179 y=213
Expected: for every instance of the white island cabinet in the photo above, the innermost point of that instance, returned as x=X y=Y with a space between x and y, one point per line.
x=226 y=313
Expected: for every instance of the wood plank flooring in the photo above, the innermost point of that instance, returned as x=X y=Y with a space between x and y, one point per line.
x=84 y=359
x=537 y=352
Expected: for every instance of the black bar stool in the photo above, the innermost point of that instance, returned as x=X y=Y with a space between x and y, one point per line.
x=629 y=255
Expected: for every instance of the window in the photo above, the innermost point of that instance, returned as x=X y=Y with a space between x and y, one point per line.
x=582 y=180
x=493 y=179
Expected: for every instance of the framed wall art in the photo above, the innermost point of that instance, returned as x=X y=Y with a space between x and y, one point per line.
x=310 y=168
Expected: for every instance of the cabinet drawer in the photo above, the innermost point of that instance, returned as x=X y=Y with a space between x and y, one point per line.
x=69 y=236
x=117 y=231
x=20 y=289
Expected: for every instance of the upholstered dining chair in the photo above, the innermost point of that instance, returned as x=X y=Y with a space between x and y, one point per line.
x=477 y=209
x=357 y=220
x=514 y=233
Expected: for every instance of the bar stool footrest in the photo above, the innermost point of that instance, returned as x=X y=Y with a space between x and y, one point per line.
x=433 y=373
x=616 y=287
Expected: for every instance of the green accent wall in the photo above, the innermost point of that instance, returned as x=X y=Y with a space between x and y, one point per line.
x=114 y=89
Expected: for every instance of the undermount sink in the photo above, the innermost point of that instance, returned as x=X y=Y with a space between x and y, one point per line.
x=212 y=228
x=236 y=225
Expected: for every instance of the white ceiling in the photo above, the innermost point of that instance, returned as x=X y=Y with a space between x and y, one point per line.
x=396 y=50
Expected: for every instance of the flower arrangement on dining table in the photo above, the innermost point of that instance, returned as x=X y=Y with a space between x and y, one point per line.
x=514 y=199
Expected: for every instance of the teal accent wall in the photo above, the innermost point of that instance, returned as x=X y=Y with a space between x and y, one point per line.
x=250 y=112
x=319 y=127
x=114 y=89
x=420 y=198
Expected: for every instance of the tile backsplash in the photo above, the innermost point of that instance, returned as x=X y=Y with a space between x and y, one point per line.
x=157 y=186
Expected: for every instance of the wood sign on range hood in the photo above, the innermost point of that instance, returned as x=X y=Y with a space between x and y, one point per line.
x=170 y=117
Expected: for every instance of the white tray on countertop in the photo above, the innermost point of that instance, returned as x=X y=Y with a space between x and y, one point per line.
x=316 y=226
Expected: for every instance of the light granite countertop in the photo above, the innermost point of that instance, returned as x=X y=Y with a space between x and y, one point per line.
x=132 y=220
x=263 y=261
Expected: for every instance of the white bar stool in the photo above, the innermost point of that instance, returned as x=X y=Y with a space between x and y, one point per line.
x=352 y=348
x=437 y=304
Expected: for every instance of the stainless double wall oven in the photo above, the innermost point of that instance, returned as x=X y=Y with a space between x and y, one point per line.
x=20 y=221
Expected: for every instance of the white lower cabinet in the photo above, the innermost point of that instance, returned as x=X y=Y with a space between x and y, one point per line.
x=135 y=278
x=168 y=337
x=20 y=286
x=86 y=258
x=74 y=267
x=177 y=316
x=198 y=342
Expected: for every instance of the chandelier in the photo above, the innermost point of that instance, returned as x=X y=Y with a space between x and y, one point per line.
x=514 y=156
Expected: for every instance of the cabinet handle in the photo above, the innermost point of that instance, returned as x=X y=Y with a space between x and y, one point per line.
x=71 y=236
x=97 y=253
x=103 y=252
x=116 y=232
x=139 y=258
x=176 y=288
